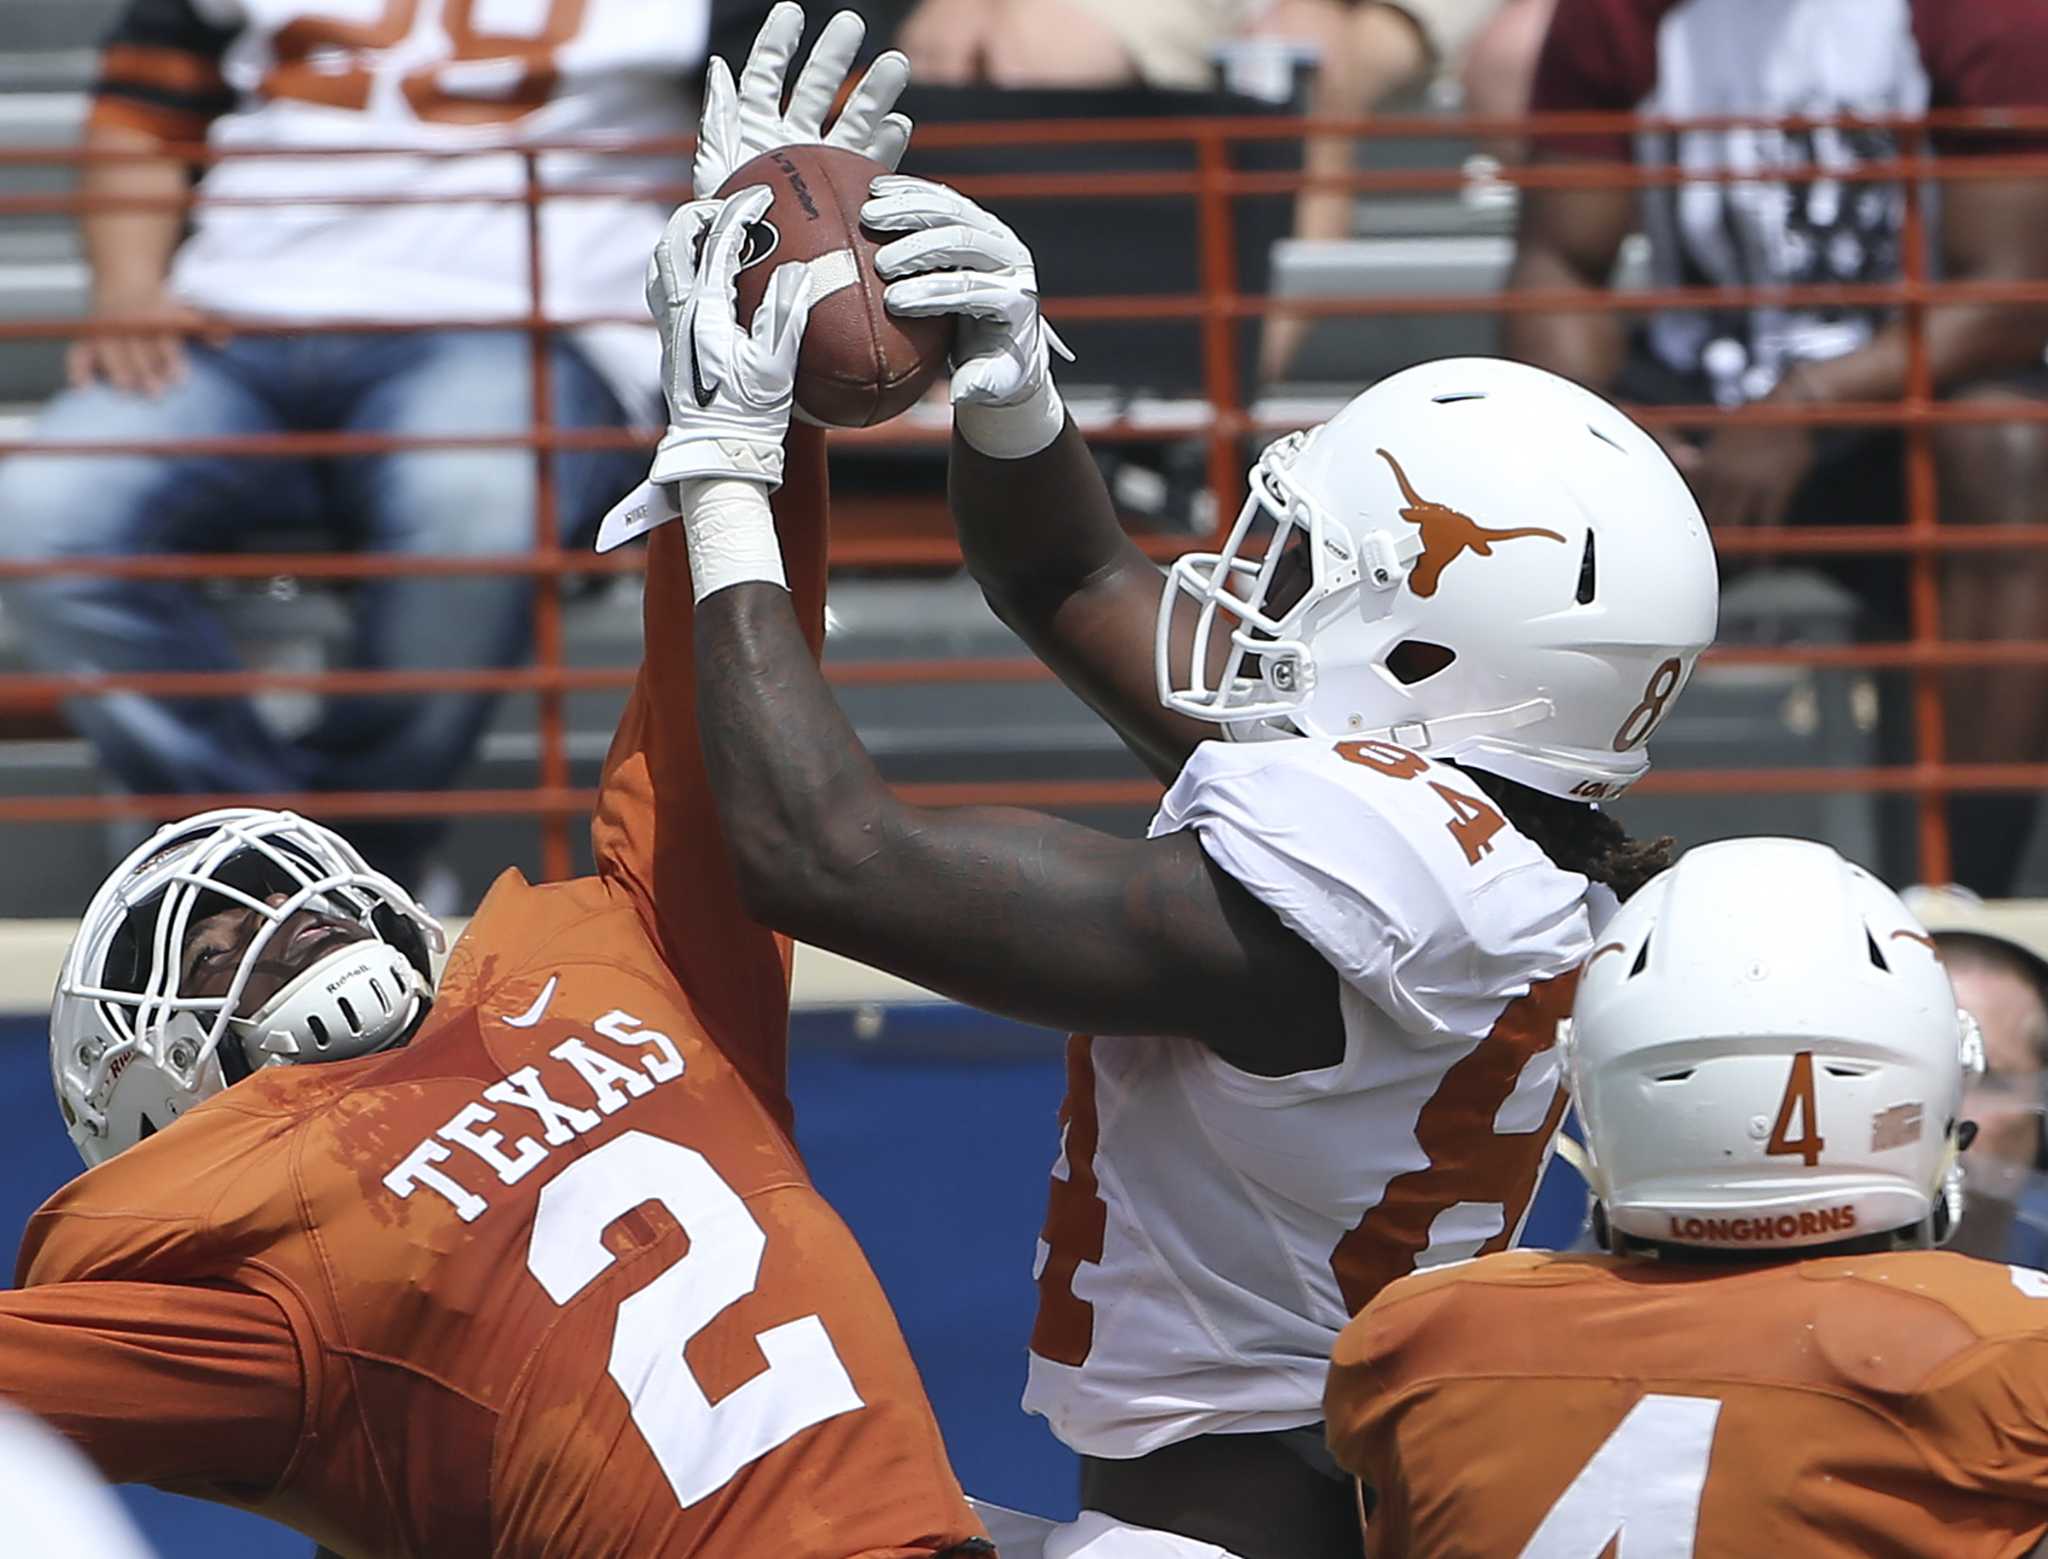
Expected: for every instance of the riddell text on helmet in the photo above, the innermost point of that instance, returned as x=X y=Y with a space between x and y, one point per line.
x=1759 y=1231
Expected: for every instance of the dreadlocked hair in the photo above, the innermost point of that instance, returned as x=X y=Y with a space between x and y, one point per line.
x=1579 y=837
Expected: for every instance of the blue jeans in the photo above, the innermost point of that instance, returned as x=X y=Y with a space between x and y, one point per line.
x=476 y=502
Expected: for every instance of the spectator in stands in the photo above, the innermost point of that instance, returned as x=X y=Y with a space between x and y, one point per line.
x=1782 y=57
x=1500 y=64
x=1363 y=53
x=298 y=77
x=2001 y=980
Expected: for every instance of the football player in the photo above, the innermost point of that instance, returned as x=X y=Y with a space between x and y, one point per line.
x=530 y=1265
x=1769 y=1063
x=1326 y=988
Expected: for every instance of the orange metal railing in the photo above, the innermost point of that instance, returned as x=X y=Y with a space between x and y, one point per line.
x=1216 y=311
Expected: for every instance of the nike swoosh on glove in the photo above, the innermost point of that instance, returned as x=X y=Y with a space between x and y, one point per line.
x=729 y=391
x=739 y=124
x=960 y=259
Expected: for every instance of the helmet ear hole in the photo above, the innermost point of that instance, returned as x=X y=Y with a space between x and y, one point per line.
x=1414 y=660
x=1642 y=957
x=1589 y=577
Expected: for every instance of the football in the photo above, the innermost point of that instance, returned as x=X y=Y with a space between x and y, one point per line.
x=860 y=364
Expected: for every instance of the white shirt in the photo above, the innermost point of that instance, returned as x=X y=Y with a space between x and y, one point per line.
x=624 y=73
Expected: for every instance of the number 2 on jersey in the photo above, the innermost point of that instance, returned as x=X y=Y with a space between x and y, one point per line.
x=698 y=1444
x=1646 y=1479
x=1473 y=823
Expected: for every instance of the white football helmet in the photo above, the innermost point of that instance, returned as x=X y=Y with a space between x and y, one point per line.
x=1501 y=568
x=1765 y=1053
x=130 y=1051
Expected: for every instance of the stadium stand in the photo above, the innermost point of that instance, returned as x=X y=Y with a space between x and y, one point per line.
x=1449 y=241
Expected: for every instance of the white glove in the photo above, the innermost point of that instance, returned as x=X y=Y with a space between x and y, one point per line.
x=960 y=259
x=739 y=125
x=729 y=391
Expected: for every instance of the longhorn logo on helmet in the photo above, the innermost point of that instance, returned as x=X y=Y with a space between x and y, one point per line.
x=1448 y=535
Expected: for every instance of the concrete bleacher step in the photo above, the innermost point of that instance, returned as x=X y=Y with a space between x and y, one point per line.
x=33 y=121
x=1357 y=349
x=1476 y=213
x=44 y=26
x=48 y=70
x=41 y=274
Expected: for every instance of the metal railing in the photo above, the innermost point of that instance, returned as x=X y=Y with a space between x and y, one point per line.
x=1217 y=311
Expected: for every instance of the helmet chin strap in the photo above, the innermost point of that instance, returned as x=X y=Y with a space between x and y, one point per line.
x=1427 y=735
x=360 y=998
x=1275 y=728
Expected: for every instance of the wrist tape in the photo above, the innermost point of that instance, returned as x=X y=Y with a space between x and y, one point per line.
x=1013 y=432
x=731 y=533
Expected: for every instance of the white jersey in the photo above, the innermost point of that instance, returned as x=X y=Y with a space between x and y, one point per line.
x=1210 y=1232
x=431 y=76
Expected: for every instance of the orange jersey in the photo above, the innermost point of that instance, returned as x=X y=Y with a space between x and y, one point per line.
x=551 y=1280
x=1537 y=1405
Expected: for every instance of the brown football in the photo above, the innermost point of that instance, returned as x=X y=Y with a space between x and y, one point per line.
x=860 y=364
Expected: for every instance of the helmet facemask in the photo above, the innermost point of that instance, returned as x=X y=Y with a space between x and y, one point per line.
x=125 y=1001
x=1502 y=570
x=1268 y=671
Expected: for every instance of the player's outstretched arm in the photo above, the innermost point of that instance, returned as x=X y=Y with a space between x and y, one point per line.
x=158 y=1383
x=1036 y=523
x=1016 y=912
x=1012 y=911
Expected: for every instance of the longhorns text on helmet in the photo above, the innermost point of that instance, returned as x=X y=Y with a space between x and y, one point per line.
x=1766 y=1054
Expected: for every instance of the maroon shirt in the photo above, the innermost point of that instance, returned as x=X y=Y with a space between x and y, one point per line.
x=1689 y=58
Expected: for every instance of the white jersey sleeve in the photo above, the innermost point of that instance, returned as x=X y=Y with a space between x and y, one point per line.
x=1400 y=872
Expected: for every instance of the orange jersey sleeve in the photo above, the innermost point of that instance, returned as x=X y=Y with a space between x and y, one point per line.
x=656 y=834
x=183 y=1386
x=1841 y=1406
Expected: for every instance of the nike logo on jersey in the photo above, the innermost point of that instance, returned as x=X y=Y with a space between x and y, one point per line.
x=539 y=1009
x=1448 y=535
